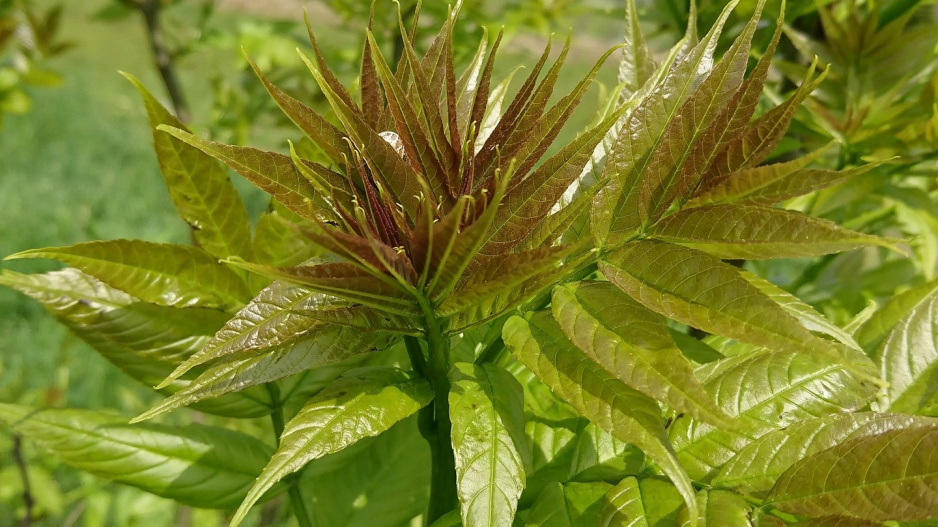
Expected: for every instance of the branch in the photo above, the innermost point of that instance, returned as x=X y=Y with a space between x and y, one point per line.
x=24 y=475
x=163 y=58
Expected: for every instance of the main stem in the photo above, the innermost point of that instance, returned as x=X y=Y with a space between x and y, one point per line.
x=435 y=423
x=296 y=497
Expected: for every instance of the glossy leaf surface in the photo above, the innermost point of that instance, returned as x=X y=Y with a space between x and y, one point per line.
x=327 y=345
x=698 y=289
x=168 y=275
x=766 y=391
x=756 y=467
x=888 y=476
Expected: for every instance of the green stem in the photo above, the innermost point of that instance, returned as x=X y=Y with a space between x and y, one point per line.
x=443 y=496
x=276 y=418
x=492 y=352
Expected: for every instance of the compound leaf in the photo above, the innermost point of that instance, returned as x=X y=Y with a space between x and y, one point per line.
x=540 y=344
x=632 y=344
x=698 y=289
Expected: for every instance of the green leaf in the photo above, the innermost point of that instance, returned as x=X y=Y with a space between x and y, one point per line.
x=753 y=232
x=363 y=403
x=694 y=349
x=872 y=333
x=719 y=508
x=329 y=344
x=646 y=502
x=887 y=476
x=756 y=467
x=199 y=187
x=615 y=214
x=908 y=360
x=807 y=315
x=272 y=172
x=144 y=340
x=377 y=482
x=701 y=291
x=486 y=409
x=282 y=313
x=632 y=344
x=770 y=184
x=569 y=505
x=163 y=274
x=197 y=465
x=539 y=343
x=765 y=391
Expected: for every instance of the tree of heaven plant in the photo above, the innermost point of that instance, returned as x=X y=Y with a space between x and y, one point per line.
x=525 y=313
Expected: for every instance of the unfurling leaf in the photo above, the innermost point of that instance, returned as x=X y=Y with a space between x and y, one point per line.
x=363 y=403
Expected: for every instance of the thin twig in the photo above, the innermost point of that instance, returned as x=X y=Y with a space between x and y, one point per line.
x=24 y=475
x=150 y=9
